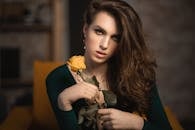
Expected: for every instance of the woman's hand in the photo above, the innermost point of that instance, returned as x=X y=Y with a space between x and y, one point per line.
x=78 y=91
x=114 y=119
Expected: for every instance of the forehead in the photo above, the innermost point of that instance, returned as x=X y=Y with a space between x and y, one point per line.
x=105 y=21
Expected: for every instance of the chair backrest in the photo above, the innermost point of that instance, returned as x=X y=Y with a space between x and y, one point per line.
x=175 y=124
x=43 y=114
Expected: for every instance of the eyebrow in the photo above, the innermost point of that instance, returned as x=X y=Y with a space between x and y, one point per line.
x=104 y=31
x=99 y=27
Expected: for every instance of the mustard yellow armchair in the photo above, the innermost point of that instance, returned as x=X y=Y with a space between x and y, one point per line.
x=40 y=116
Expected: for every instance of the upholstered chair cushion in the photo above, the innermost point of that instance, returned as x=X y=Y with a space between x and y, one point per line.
x=43 y=115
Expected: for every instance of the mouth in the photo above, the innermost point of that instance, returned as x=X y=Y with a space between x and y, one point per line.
x=100 y=54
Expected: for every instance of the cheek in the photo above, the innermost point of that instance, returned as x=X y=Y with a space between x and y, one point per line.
x=113 y=48
x=91 y=40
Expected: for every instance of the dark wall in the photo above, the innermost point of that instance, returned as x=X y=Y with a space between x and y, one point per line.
x=76 y=10
x=170 y=29
x=9 y=63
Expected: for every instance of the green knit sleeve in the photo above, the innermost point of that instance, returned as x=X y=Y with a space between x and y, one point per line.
x=56 y=82
x=157 y=119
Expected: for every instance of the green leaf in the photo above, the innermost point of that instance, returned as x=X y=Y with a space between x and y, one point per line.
x=110 y=98
x=95 y=81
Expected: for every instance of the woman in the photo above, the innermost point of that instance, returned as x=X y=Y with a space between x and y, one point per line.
x=117 y=58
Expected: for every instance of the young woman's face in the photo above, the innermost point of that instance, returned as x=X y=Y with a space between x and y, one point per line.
x=101 y=38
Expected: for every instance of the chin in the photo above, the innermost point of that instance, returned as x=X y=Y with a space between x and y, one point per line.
x=99 y=60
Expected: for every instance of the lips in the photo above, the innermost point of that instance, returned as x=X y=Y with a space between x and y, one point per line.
x=100 y=54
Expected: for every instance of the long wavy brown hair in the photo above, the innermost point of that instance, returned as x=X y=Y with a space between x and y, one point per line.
x=131 y=70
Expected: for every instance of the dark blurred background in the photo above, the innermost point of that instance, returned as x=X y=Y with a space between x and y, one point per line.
x=50 y=30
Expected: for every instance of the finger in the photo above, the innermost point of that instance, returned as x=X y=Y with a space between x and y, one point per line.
x=88 y=92
x=91 y=90
x=108 y=125
x=91 y=97
x=104 y=111
x=88 y=95
x=105 y=117
x=90 y=85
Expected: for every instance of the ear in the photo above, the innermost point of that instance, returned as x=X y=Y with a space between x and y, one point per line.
x=85 y=28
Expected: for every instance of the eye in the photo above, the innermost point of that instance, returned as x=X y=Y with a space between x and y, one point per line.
x=98 y=31
x=116 y=38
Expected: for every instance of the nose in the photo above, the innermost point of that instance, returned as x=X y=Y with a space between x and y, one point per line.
x=104 y=43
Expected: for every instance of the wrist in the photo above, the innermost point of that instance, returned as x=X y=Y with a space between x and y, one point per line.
x=64 y=105
x=135 y=122
x=139 y=122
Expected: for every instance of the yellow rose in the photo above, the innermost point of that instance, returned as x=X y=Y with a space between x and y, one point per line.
x=77 y=63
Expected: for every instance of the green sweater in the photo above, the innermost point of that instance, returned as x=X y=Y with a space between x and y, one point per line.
x=61 y=78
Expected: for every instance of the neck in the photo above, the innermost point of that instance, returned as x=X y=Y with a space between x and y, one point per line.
x=98 y=70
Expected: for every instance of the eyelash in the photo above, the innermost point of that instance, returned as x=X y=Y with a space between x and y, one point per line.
x=98 y=31
x=116 y=39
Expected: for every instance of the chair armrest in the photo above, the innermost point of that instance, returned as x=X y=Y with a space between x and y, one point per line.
x=19 y=118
